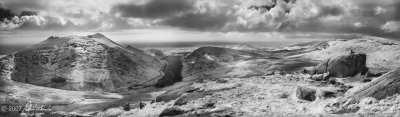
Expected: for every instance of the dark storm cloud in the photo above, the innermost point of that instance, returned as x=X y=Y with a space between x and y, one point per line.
x=262 y=7
x=5 y=14
x=200 y=21
x=154 y=8
x=53 y=24
x=187 y=14
x=18 y=6
x=27 y=13
x=8 y=14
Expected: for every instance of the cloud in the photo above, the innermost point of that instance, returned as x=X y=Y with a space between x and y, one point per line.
x=326 y=16
x=391 y=27
x=154 y=8
x=199 y=21
x=17 y=22
x=209 y=15
x=5 y=14
x=28 y=13
x=85 y=15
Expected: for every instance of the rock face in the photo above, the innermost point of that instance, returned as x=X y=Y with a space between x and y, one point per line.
x=382 y=87
x=343 y=66
x=93 y=62
x=6 y=66
x=174 y=94
x=208 y=62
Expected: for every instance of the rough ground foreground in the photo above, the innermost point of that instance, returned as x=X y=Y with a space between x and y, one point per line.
x=273 y=95
x=277 y=94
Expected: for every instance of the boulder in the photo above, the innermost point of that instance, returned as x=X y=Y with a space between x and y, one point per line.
x=320 y=77
x=192 y=96
x=173 y=111
x=126 y=107
x=325 y=94
x=305 y=93
x=343 y=66
x=142 y=105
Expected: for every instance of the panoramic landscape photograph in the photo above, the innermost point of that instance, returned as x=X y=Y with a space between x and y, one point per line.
x=199 y=58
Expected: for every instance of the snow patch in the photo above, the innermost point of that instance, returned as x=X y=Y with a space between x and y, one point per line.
x=208 y=57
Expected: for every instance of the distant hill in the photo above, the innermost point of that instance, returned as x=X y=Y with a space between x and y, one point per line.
x=213 y=62
x=382 y=54
x=91 y=62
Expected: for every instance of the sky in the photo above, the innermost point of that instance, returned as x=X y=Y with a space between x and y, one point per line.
x=29 y=21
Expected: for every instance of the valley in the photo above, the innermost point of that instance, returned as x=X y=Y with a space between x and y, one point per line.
x=94 y=76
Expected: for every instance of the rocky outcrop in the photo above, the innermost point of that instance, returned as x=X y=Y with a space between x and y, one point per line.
x=93 y=62
x=320 y=77
x=383 y=54
x=314 y=93
x=382 y=87
x=343 y=66
x=192 y=96
x=6 y=66
x=174 y=94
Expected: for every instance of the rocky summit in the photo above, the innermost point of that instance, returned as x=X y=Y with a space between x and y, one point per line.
x=91 y=62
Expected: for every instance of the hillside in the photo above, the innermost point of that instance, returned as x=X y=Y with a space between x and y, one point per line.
x=321 y=78
x=213 y=62
x=382 y=54
x=92 y=62
x=283 y=90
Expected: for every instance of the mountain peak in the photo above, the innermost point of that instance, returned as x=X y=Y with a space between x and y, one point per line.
x=91 y=62
x=53 y=37
x=103 y=39
x=97 y=35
